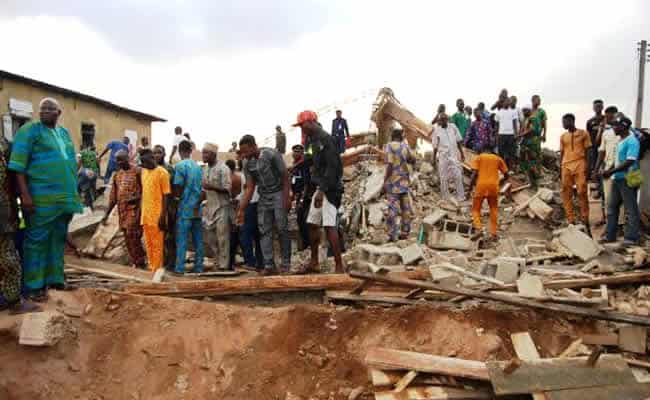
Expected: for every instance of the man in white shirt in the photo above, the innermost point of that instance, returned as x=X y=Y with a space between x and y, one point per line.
x=178 y=138
x=448 y=154
x=607 y=152
x=507 y=120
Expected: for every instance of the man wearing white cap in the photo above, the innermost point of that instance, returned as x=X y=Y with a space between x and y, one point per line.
x=217 y=213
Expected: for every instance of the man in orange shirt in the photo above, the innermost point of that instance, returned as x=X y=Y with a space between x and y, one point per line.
x=485 y=176
x=155 y=198
x=575 y=145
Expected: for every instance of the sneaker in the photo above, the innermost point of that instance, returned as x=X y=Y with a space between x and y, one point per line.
x=630 y=243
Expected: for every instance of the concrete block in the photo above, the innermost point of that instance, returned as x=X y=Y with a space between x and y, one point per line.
x=530 y=286
x=444 y=276
x=432 y=219
x=580 y=244
x=42 y=329
x=412 y=254
x=460 y=260
x=632 y=338
x=519 y=261
x=507 y=272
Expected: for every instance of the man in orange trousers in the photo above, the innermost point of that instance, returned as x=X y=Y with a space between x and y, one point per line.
x=485 y=176
x=156 y=190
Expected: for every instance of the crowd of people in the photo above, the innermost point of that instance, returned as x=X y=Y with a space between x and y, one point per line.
x=607 y=154
x=237 y=205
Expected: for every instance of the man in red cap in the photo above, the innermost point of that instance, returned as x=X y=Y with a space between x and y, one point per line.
x=327 y=176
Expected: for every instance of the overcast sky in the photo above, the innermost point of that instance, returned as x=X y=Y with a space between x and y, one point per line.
x=222 y=68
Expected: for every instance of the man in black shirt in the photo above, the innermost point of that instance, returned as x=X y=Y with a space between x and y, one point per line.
x=594 y=126
x=340 y=130
x=327 y=176
x=301 y=188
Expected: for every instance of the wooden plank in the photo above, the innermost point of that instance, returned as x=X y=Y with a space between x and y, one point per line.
x=434 y=393
x=618 y=279
x=113 y=271
x=585 y=312
x=572 y=349
x=637 y=363
x=287 y=283
x=635 y=391
x=368 y=298
x=610 y=339
x=388 y=359
x=211 y=274
x=388 y=379
x=558 y=374
x=405 y=381
x=526 y=351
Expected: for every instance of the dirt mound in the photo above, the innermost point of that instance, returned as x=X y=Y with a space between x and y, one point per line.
x=132 y=347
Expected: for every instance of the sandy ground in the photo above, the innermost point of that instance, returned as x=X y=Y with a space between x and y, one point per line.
x=132 y=347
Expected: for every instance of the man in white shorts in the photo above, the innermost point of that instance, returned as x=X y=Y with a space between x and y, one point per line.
x=327 y=175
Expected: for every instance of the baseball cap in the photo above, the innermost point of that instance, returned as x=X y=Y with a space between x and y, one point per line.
x=306 y=116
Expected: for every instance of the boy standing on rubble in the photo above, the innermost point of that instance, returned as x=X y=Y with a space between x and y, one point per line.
x=575 y=146
x=399 y=159
x=126 y=194
x=485 y=175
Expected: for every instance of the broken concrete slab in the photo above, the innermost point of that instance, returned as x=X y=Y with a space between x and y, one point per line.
x=460 y=260
x=508 y=247
x=444 y=276
x=507 y=272
x=42 y=329
x=432 y=219
x=530 y=286
x=375 y=214
x=632 y=338
x=579 y=243
x=519 y=261
x=374 y=185
x=88 y=220
x=411 y=254
x=103 y=236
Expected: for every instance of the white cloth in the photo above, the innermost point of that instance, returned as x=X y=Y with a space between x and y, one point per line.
x=178 y=139
x=608 y=144
x=446 y=140
x=450 y=168
x=324 y=216
x=218 y=175
x=256 y=195
x=505 y=117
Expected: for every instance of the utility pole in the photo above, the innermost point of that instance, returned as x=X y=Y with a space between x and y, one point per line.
x=643 y=57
